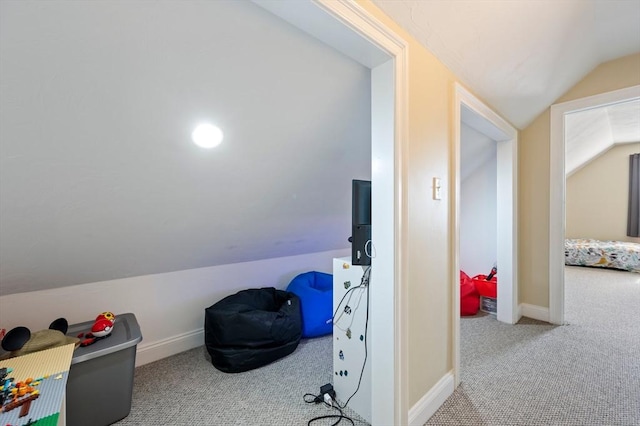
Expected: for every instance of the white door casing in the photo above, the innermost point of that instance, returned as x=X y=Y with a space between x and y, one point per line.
x=488 y=122
x=557 y=188
x=353 y=31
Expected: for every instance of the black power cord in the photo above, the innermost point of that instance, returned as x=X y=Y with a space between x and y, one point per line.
x=365 y=283
x=317 y=399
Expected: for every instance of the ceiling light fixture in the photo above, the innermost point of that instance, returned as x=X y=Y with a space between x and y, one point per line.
x=207 y=136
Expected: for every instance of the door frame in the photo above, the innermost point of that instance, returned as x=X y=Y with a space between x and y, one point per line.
x=506 y=136
x=557 y=188
x=377 y=47
x=389 y=190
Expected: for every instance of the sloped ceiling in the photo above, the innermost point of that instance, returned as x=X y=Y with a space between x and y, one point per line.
x=476 y=150
x=99 y=180
x=98 y=177
x=590 y=133
x=521 y=55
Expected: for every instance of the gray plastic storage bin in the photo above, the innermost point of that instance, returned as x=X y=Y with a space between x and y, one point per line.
x=100 y=383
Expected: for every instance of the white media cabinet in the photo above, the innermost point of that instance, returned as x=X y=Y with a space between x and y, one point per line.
x=349 y=338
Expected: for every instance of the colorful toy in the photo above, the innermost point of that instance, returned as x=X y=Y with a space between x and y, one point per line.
x=100 y=329
x=106 y=315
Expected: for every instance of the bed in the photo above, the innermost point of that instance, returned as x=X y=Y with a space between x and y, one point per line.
x=604 y=254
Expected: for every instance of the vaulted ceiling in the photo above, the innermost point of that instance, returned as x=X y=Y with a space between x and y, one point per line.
x=521 y=55
x=591 y=133
x=99 y=179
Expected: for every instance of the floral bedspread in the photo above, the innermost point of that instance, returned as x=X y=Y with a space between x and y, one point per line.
x=605 y=254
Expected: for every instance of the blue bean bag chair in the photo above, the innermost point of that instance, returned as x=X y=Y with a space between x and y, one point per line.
x=315 y=290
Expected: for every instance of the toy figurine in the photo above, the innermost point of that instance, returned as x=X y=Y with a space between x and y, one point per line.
x=100 y=329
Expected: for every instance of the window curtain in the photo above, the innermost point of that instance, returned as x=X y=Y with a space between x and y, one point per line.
x=633 y=219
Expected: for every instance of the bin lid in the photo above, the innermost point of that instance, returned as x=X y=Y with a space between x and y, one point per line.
x=125 y=334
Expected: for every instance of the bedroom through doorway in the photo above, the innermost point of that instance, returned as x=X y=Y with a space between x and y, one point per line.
x=591 y=142
x=598 y=144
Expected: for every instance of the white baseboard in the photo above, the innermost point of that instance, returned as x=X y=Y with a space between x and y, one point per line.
x=154 y=351
x=431 y=401
x=535 y=312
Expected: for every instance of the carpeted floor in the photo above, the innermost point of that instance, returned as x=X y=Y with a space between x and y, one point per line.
x=186 y=389
x=586 y=373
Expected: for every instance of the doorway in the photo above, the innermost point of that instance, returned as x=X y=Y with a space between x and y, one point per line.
x=478 y=201
x=476 y=115
x=557 y=181
x=358 y=35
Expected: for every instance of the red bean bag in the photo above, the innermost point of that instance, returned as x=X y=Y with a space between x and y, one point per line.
x=469 y=296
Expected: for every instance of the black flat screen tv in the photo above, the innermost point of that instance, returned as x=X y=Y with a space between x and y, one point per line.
x=360 y=222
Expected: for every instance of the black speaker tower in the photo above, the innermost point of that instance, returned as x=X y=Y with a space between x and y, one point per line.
x=361 y=222
x=361 y=245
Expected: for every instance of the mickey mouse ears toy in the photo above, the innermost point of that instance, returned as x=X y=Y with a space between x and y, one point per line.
x=15 y=339
x=20 y=340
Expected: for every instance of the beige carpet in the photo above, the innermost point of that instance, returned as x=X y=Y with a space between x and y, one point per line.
x=586 y=373
x=186 y=389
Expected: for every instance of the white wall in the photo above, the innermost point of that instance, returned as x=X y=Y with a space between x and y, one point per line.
x=169 y=307
x=478 y=203
x=99 y=179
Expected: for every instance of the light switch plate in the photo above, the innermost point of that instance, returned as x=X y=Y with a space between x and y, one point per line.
x=436 y=189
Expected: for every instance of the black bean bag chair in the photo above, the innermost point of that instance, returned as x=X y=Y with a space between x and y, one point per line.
x=252 y=328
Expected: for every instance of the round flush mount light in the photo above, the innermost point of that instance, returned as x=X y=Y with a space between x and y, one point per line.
x=207 y=135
